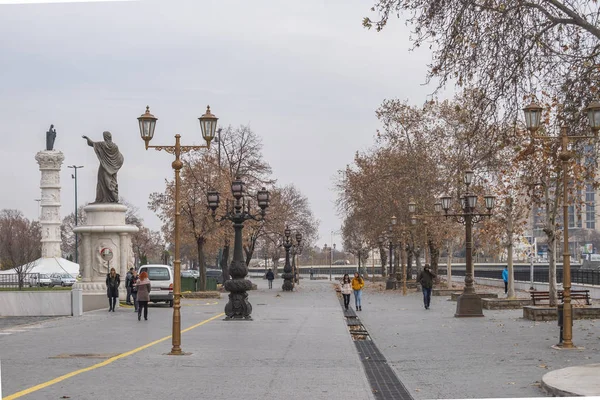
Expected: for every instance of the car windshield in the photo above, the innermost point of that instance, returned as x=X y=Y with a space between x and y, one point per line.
x=66 y=276
x=158 y=274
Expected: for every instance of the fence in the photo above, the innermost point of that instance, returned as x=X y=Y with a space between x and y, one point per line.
x=12 y=280
x=588 y=277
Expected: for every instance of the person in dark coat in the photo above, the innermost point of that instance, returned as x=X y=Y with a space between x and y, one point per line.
x=128 y=285
x=426 y=278
x=143 y=294
x=113 y=280
x=132 y=281
x=270 y=277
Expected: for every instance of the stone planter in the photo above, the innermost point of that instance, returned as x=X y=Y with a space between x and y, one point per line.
x=442 y=292
x=504 y=304
x=546 y=313
x=455 y=295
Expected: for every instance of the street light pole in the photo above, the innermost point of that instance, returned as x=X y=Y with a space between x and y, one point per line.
x=147 y=125
x=238 y=307
x=288 y=244
x=469 y=303
x=74 y=176
x=533 y=114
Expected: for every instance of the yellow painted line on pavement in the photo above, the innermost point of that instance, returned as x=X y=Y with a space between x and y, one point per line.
x=101 y=364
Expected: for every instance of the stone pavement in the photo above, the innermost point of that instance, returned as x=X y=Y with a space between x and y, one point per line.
x=437 y=355
x=297 y=347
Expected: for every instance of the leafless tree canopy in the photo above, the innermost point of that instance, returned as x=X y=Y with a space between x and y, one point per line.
x=507 y=49
x=20 y=242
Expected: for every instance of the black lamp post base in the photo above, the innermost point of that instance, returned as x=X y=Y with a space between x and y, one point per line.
x=288 y=284
x=469 y=305
x=238 y=306
x=391 y=284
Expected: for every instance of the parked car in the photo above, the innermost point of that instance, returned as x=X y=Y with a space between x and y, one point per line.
x=215 y=274
x=161 y=278
x=187 y=273
x=40 y=280
x=62 y=280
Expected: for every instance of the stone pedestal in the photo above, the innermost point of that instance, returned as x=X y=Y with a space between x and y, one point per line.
x=50 y=162
x=105 y=228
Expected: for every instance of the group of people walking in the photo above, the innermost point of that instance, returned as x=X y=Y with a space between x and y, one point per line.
x=425 y=279
x=138 y=287
x=355 y=285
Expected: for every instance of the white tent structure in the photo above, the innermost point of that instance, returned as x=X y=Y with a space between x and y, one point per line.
x=51 y=265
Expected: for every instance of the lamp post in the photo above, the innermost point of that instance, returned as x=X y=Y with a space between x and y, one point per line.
x=328 y=249
x=469 y=303
x=288 y=244
x=392 y=281
x=74 y=176
x=208 y=125
x=533 y=114
x=238 y=211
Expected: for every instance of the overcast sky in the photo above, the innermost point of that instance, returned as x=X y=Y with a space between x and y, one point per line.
x=305 y=75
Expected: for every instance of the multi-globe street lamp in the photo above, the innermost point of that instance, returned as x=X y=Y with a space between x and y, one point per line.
x=238 y=211
x=533 y=117
x=400 y=230
x=208 y=125
x=296 y=247
x=469 y=303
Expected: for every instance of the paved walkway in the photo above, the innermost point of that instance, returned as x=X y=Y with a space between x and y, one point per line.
x=437 y=355
x=297 y=346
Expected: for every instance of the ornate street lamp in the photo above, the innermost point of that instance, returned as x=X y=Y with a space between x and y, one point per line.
x=469 y=303
x=391 y=282
x=288 y=244
x=238 y=211
x=533 y=124
x=147 y=125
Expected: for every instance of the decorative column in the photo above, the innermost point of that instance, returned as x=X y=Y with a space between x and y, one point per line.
x=50 y=162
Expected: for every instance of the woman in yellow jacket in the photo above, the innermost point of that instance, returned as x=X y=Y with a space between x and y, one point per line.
x=357 y=285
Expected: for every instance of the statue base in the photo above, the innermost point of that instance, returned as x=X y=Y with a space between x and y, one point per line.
x=105 y=229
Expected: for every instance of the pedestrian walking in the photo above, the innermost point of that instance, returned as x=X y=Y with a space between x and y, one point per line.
x=270 y=277
x=113 y=280
x=132 y=281
x=426 y=278
x=128 y=285
x=143 y=294
x=357 y=285
x=346 y=290
x=505 y=279
x=311 y=274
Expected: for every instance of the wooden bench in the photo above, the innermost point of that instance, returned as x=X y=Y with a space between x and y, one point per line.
x=537 y=295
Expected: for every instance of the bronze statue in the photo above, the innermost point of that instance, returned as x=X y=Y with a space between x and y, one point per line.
x=111 y=160
x=50 y=137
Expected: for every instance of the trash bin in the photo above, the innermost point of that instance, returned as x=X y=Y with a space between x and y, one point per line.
x=211 y=284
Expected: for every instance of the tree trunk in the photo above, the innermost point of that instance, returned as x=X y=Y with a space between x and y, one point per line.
x=275 y=261
x=409 y=259
x=449 y=266
x=201 y=263
x=225 y=262
x=509 y=236
x=434 y=257
x=552 y=270
x=383 y=256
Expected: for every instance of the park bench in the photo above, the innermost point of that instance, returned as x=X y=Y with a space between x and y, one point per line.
x=538 y=296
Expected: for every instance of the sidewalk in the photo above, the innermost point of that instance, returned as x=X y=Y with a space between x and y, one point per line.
x=297 y=347
x=437 y=355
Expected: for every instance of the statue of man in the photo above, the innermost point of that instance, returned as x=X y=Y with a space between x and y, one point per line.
x=111 y=160
x=50 y=137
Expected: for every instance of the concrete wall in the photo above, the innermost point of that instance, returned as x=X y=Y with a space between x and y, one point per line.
x=93 y=302
x=33 y=304
x=519 y=285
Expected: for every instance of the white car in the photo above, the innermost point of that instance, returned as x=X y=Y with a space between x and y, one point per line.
x=161 y=280
x=40 y=280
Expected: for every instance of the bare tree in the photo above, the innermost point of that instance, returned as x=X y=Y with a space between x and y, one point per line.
x=20 y=243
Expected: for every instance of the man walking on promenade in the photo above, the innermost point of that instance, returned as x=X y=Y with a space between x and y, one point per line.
x=270 y=276
x=426 y=278
x=505 y=279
